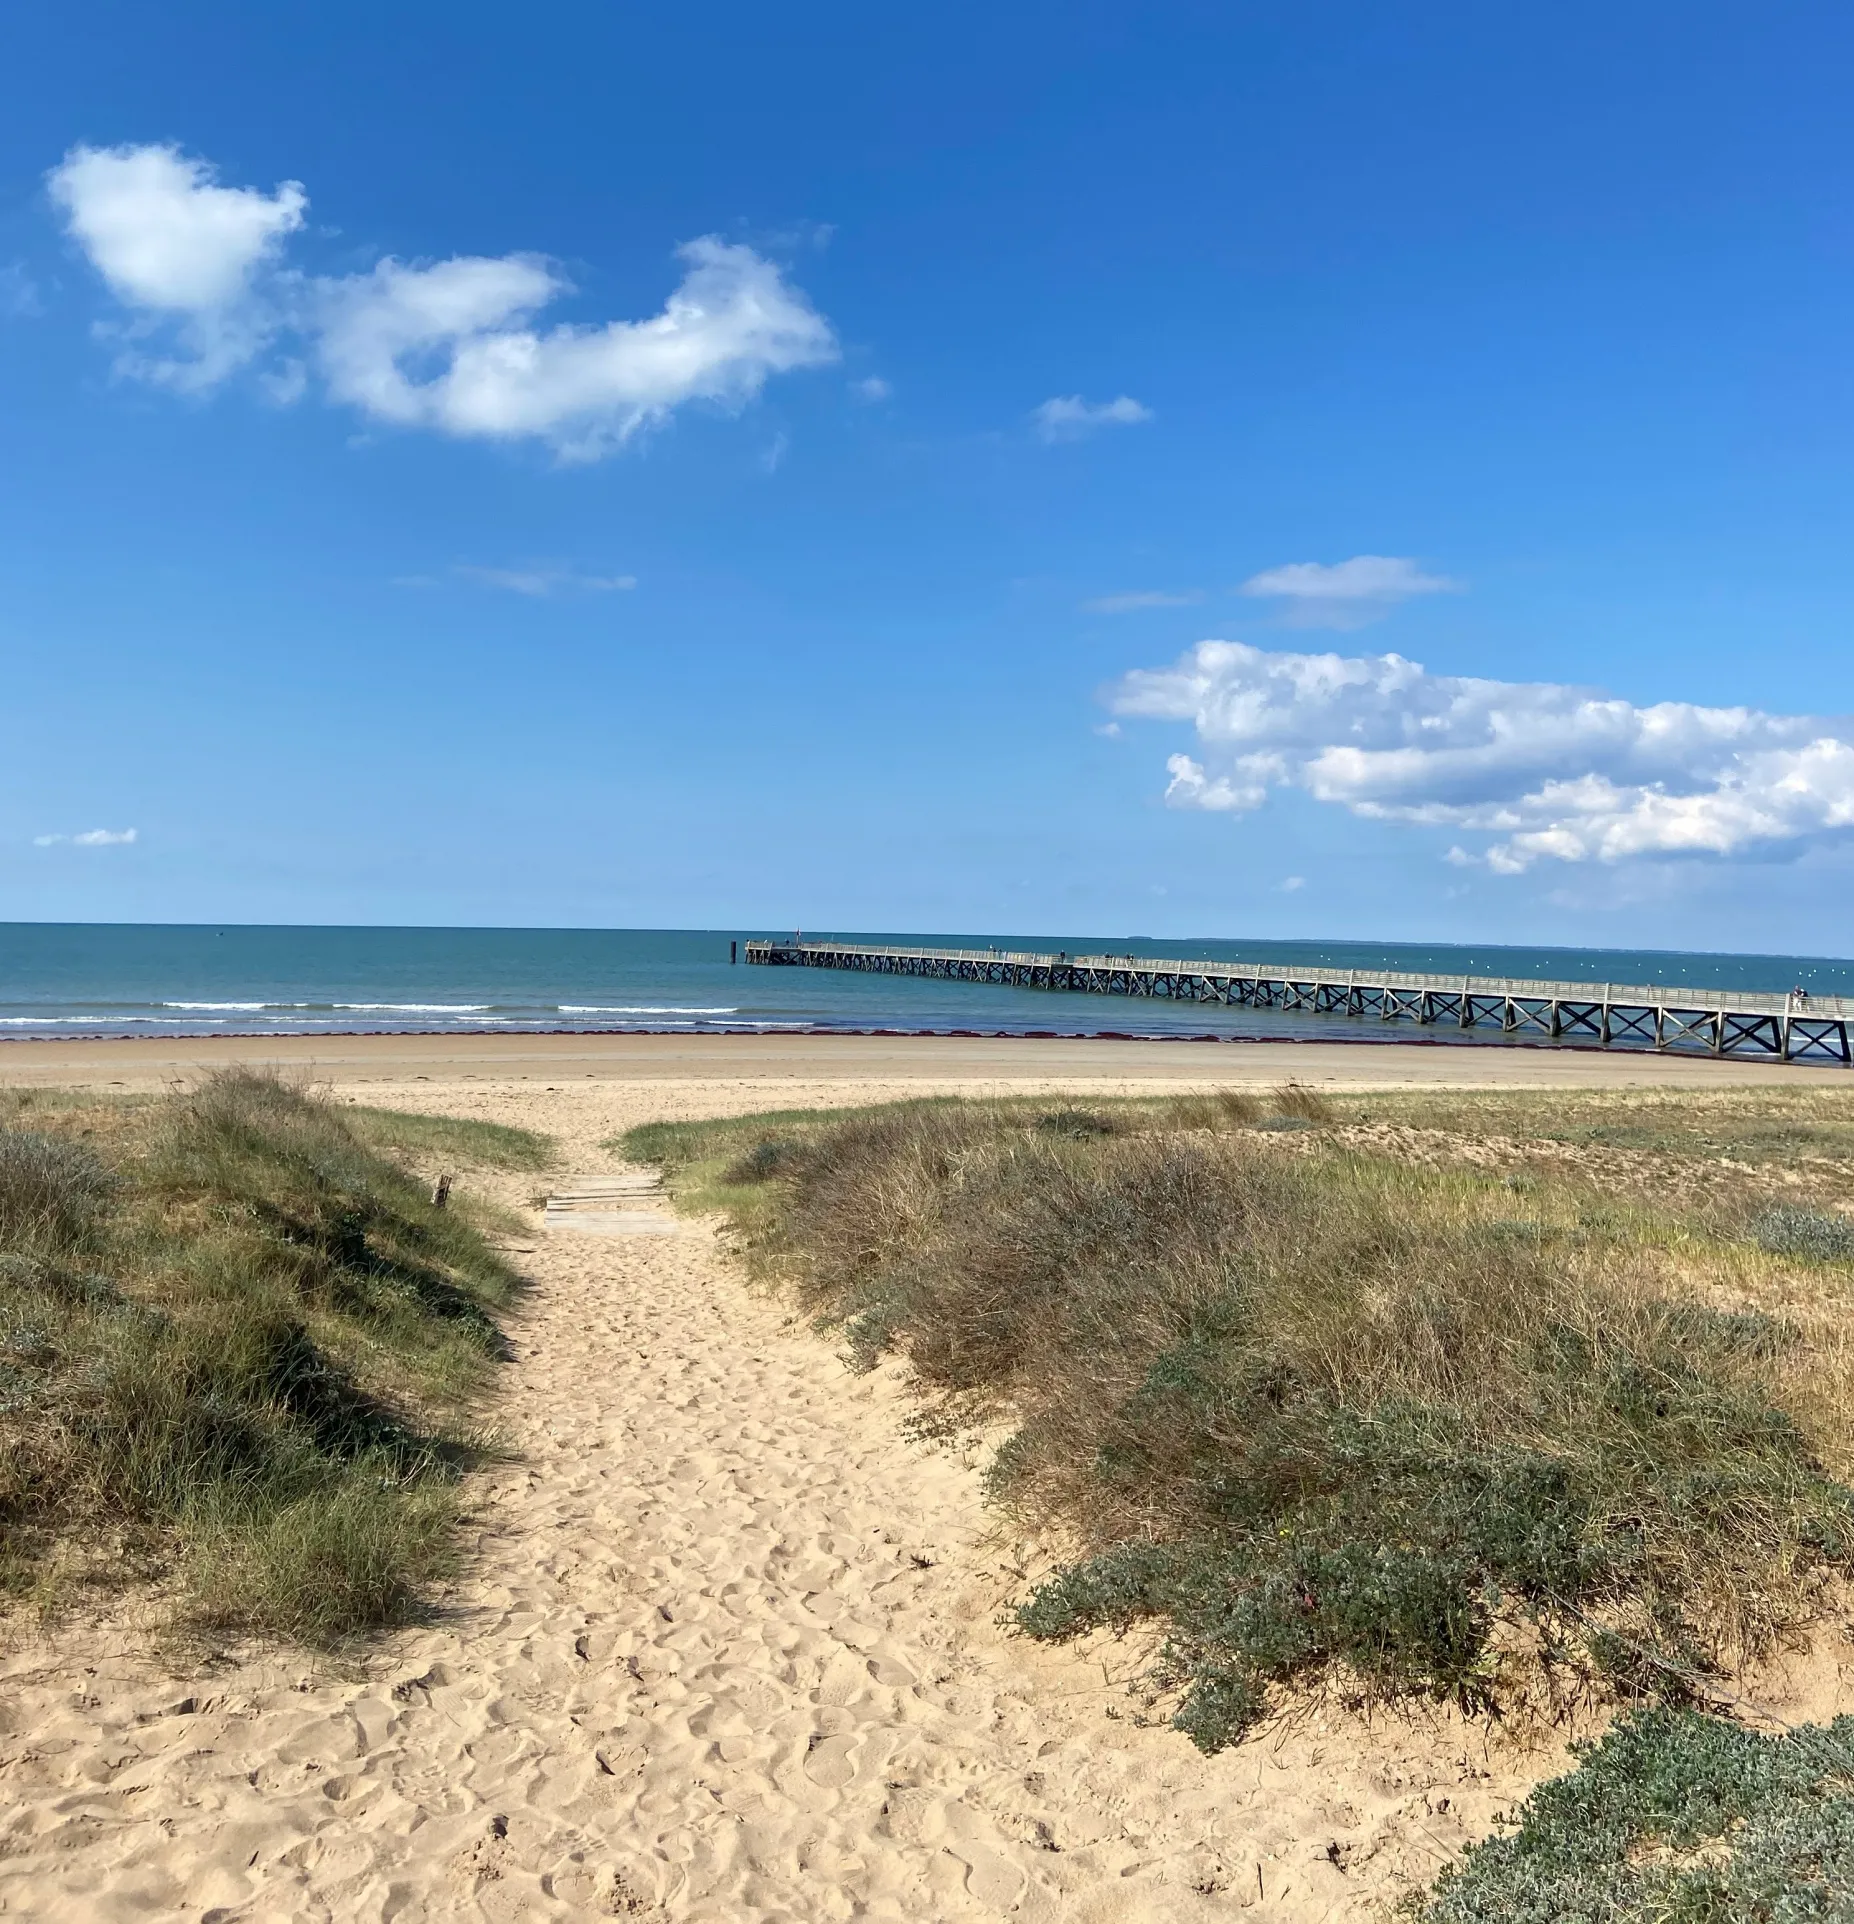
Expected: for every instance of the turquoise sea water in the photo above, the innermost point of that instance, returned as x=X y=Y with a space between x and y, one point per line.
x=128 y=979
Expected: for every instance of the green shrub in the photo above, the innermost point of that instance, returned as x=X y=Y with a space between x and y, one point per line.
x=1674 y=1818
x=1813 y=1234
x=762 y=1162
x=1077 y=1124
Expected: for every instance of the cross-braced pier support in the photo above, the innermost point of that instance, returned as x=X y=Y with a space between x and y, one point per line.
x=1772 y=1028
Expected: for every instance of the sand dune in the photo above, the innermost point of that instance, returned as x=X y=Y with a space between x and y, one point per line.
x=727 y=1649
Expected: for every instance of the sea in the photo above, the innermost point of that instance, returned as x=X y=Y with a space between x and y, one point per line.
x=126 y=979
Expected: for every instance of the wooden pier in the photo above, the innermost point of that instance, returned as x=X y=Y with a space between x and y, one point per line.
x=1720 y=1022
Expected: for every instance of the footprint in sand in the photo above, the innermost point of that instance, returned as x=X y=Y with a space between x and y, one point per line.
x=990 y=1877
x=830 y=1762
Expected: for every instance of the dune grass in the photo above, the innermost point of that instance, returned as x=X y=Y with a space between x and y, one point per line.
x=1767 y=1124
x=1326 y=1415
x=239 y=1353
x=460 y=1140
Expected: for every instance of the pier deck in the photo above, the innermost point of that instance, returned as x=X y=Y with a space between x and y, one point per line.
x=1720 y=1022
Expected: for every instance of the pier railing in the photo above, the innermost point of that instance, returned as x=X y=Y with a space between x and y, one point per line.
x=1723 y=1022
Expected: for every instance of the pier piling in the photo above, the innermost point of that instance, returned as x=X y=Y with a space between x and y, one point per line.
x=1721 y=1022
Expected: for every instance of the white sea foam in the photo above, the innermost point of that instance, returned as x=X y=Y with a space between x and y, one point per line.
x=638 y=1008
x=240 y=1007
x=415 y=1008
x=86 y=1021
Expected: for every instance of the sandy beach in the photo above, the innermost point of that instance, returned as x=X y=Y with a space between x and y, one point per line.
x=727 y=1645
x=968 y=1063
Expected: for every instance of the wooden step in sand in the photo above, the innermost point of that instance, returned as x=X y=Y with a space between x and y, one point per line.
x=610 y=1206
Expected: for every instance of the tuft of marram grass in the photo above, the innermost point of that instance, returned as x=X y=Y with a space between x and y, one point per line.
x=1320 y=1413
x=247 y=1348
x=52 y=1192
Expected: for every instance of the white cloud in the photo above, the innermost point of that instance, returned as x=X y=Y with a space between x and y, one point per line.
x=170 y=241
x=538 y=582
x=874 y=388
x=89 y=838
x=1344 y=594
x=1067 y=417
x=450 y=345
x=1291 y=884
x=1549 y=771
x=1148 y=598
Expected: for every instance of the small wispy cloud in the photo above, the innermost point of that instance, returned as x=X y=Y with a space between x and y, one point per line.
x=538 y=582
x=89 y=838
x=774 y=452
x=19 y=293
x=1068 y=417
x=1144 y=598
x=1344 y=594
x=1291 y=884
x=873 y=388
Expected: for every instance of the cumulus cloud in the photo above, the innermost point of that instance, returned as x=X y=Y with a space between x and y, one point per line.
x=1067 y=417
x=171 y=243
x=1344 y=594
x=1549 y=772
x=455 y=346
x=89 y=838
x=1144 y=598
x=538 y=582
x=452 y=346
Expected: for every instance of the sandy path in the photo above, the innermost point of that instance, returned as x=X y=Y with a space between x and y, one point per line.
x=727 y=1651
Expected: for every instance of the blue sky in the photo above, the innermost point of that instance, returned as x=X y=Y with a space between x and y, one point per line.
x=383 y=548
